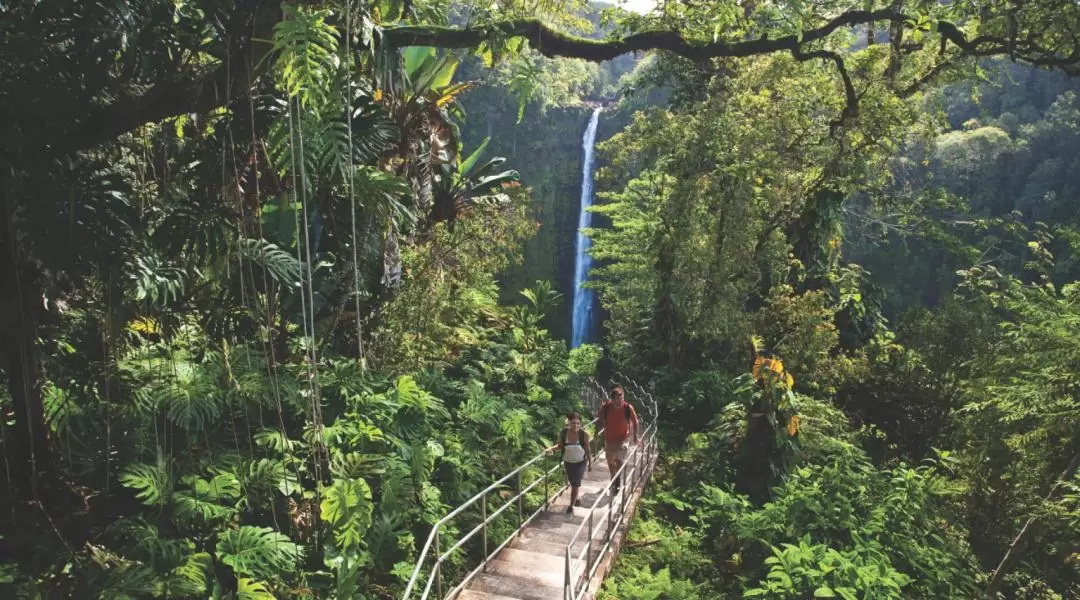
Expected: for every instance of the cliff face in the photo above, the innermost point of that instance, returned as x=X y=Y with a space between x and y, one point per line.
x=546 y=150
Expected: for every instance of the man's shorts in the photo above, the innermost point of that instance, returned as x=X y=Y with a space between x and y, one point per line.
x=617 y=450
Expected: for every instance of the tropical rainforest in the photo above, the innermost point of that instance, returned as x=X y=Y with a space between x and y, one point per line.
x=283 y=282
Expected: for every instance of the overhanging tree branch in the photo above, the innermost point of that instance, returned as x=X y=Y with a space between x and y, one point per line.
x=206 y=91
x=553 y=43
x=229 y=81
x=851 y=100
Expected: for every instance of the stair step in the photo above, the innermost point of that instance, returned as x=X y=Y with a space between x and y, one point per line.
x=549 y=536
x=533 y=565
x=534 y=561
x=478 y=595
x=514 y=587
x=558 y=517
x=556 y=548
x=558 y=523
x=539 y=545
x=527 y=572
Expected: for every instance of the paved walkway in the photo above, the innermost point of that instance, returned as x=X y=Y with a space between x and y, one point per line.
x=533 y=566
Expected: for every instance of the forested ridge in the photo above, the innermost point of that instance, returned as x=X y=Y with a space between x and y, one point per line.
x=283 y=283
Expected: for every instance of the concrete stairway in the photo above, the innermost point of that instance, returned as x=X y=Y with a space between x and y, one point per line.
x=533 y=565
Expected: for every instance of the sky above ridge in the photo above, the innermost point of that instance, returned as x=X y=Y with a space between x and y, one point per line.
x=638 y=6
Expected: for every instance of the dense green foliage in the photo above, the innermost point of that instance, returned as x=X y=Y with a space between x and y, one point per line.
x=931 y=301
x=276 y=294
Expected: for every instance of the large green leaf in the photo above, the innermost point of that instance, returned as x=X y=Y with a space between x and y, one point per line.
x=445 y=73
x=466 y=165
x=249 y=589
x=415 y=57
x=151 y=483
x=258 y=552
x=389 y=10
x=347 y=508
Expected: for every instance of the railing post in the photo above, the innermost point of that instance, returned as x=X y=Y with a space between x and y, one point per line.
x=622 y=496
x=521 y=501
x=610 y=512
x=483 y=515
x=438 y=567
x=640 y=452
x=588 y=548
x=568 y=588
x=547 y=494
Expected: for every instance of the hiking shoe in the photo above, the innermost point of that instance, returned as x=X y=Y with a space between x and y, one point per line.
x=577 y=502
x=569 y=510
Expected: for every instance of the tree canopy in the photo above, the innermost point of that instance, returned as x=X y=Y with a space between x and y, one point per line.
x=283 y=283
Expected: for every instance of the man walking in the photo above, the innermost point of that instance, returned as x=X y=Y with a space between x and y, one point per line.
x=618 y=418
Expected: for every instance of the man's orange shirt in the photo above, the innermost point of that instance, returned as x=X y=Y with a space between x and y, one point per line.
x=616 y=426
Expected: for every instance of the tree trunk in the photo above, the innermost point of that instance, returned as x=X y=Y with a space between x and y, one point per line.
x=896 y=42
x=19 y=298
x=757 y=451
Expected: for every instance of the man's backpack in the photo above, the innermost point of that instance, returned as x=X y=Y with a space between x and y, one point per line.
x=604 y=412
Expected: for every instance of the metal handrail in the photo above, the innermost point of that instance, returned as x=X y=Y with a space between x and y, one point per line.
x=434 y=578
x=433 y=537
x=638 y=462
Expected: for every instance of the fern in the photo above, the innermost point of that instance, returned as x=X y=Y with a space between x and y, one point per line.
x=524 y=83
x=385 y=540
x=258 y=552
x=373 y=133
x=408 y=393
x=514 y=425
x=331 y=151
x=384 y=192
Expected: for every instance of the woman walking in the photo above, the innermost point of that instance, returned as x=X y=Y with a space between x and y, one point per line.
x=574 y=443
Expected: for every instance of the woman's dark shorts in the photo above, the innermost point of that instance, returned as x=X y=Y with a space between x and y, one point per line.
x=575 y=471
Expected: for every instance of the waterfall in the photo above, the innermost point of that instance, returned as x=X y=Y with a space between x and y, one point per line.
x=582 y=328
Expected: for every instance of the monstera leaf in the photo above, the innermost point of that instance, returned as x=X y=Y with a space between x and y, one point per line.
x=258 y=552
x=347 y=508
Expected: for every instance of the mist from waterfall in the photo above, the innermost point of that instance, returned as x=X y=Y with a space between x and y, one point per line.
x=582 y=330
